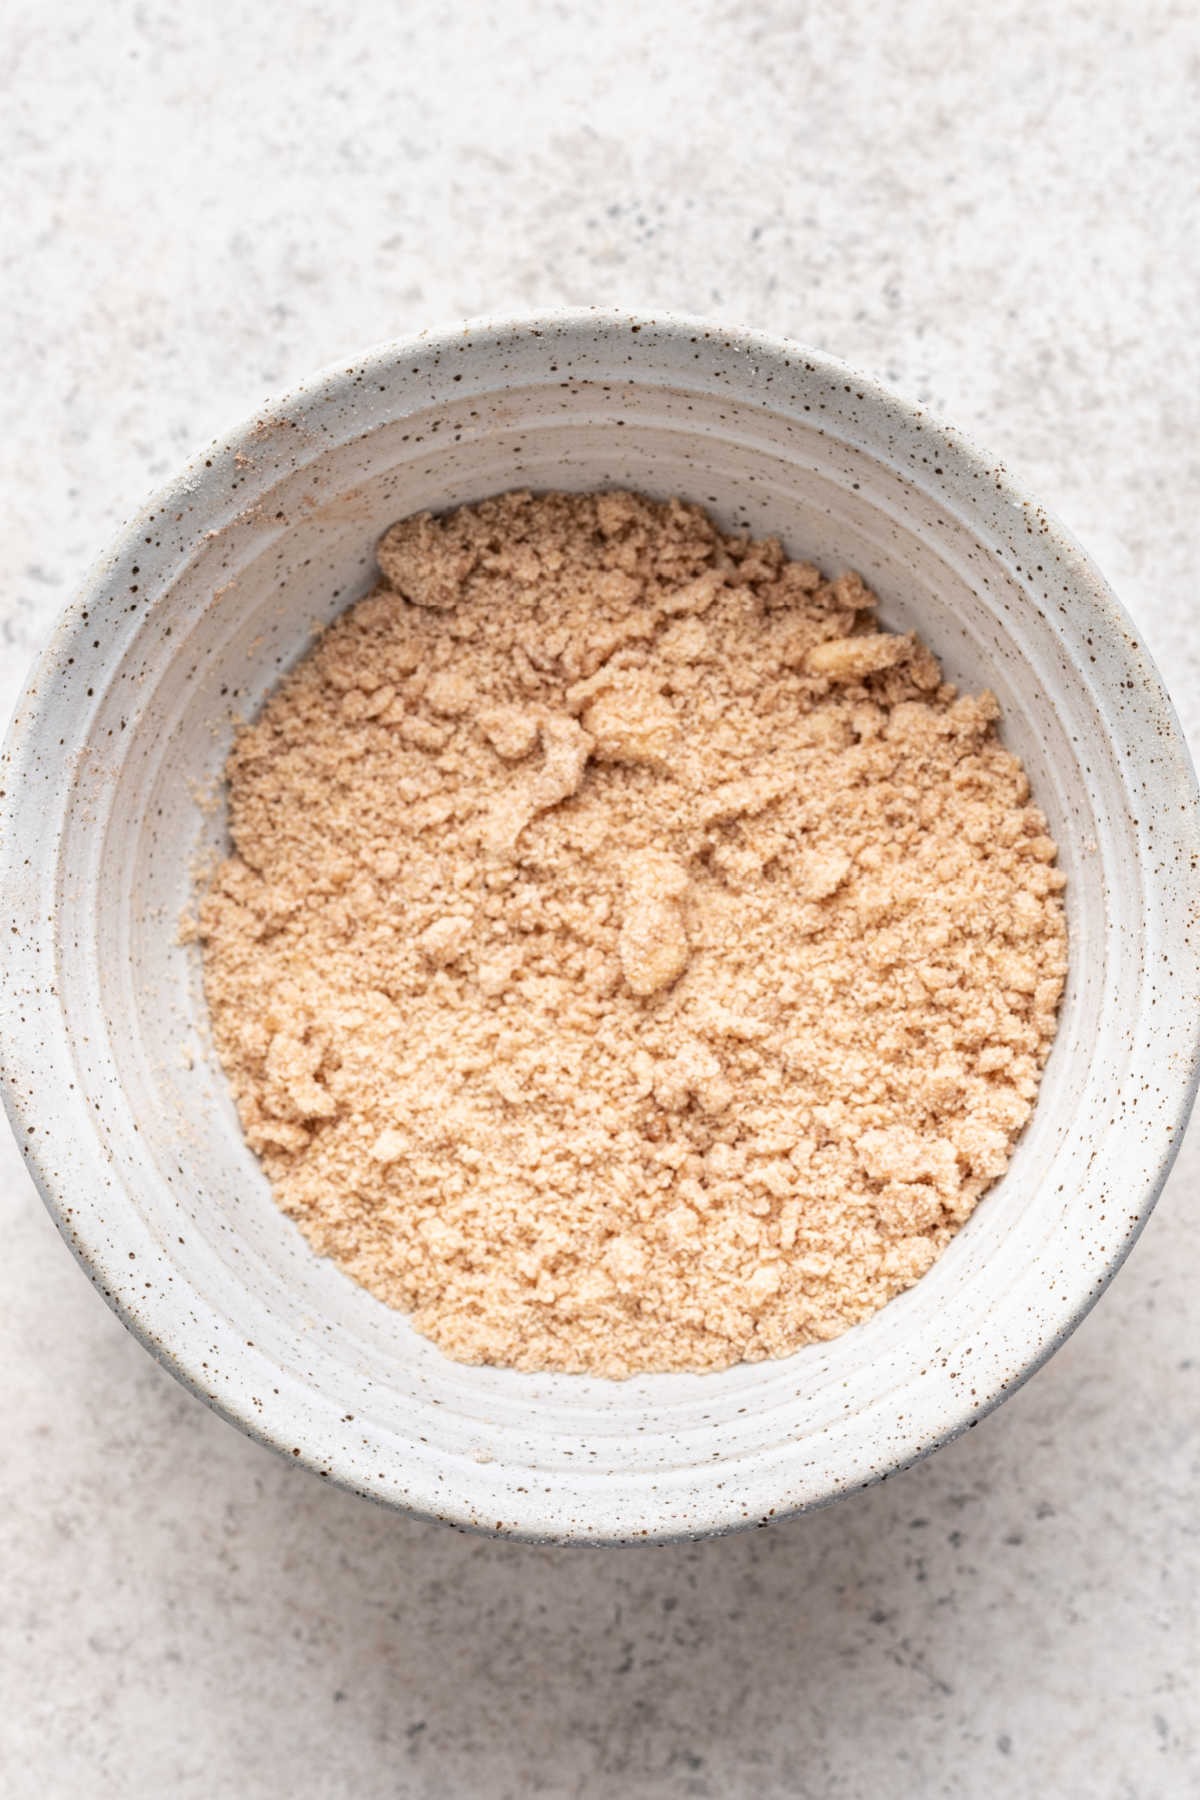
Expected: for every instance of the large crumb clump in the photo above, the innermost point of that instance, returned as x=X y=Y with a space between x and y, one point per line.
x=632 y=957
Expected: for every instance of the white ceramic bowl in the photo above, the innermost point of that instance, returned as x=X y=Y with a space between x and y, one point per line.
x=182 y=629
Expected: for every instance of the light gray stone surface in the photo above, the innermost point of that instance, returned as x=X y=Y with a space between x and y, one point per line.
x=995 y=209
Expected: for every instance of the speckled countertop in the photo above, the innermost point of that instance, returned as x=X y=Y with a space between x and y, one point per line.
x=995 y=209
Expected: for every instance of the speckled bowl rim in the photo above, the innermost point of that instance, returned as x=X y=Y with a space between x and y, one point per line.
x=424 y=352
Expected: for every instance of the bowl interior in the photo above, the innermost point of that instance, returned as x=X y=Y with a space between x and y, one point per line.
x=187 y=629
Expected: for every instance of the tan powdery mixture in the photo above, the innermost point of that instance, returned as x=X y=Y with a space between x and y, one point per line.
x=632 y=959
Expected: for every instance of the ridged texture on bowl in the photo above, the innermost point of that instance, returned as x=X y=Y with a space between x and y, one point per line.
x=110 y=791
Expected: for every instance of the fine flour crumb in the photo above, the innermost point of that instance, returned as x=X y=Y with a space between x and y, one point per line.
x=632 y=957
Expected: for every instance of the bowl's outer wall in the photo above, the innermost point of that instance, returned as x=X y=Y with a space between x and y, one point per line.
x=111 y=804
